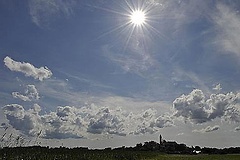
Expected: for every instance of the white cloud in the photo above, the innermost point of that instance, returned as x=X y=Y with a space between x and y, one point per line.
x=106 y=121
x=197 y=108
x=191 y=107
x=20 y=119
x=208 y=129
x=28 y=69
x=30 y=94
x=211 y=129
x=67 y=122
x=237 y=129
x=164 y=121
x=225 y=106
x=45 y=11
x=217 y=87
x=20 y=96
x=227 y=21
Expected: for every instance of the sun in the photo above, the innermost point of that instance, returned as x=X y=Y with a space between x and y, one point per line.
x=138 y=17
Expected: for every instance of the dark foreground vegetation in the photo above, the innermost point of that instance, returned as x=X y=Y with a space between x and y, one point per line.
x=147 y=151
x=45 y=153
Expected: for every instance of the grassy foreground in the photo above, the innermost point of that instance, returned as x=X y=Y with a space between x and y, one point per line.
x=196 y=157
x=75 y=154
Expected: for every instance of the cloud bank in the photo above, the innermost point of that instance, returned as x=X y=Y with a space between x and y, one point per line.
x=197 y=108
x=80 y=122
x=28 y=69
x=72 y=122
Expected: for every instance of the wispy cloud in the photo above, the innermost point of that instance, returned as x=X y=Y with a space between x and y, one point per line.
x=191 y=79
x=208 y=129
x=150 y=54
x=43 y=12
x=28 y=69
x=62 y=92
x=136 y=60
x=227 y=20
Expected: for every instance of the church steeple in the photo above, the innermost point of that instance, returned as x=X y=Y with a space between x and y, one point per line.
x=160 y=138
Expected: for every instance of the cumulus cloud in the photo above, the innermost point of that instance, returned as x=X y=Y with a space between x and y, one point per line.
x=28 y=69
x=30 y=94
x=208 y=129
x=44 y=11
x=67 y=122
x=217 y=88
x=197 y=108
x=151 y=124
x=191 y=107
x=107 y=121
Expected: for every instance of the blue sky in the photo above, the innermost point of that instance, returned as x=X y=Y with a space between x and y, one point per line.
x=81 y=72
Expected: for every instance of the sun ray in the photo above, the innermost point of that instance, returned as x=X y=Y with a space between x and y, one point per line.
x=108 y=10
x=116 y=28
x=129 y=6
x=128 y=39
x=136 y=21
x=159 y=34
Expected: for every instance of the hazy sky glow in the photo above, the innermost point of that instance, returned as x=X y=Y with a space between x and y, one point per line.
x=112 y=73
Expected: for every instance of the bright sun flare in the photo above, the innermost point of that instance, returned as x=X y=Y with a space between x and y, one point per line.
x=138 y=17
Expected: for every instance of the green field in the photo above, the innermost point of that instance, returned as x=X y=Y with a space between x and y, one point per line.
x=75 y=154
x=196 y=157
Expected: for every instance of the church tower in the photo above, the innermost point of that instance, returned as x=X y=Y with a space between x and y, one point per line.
x=160 y=138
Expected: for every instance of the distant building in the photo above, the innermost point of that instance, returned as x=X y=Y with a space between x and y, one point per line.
x=172 y=147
